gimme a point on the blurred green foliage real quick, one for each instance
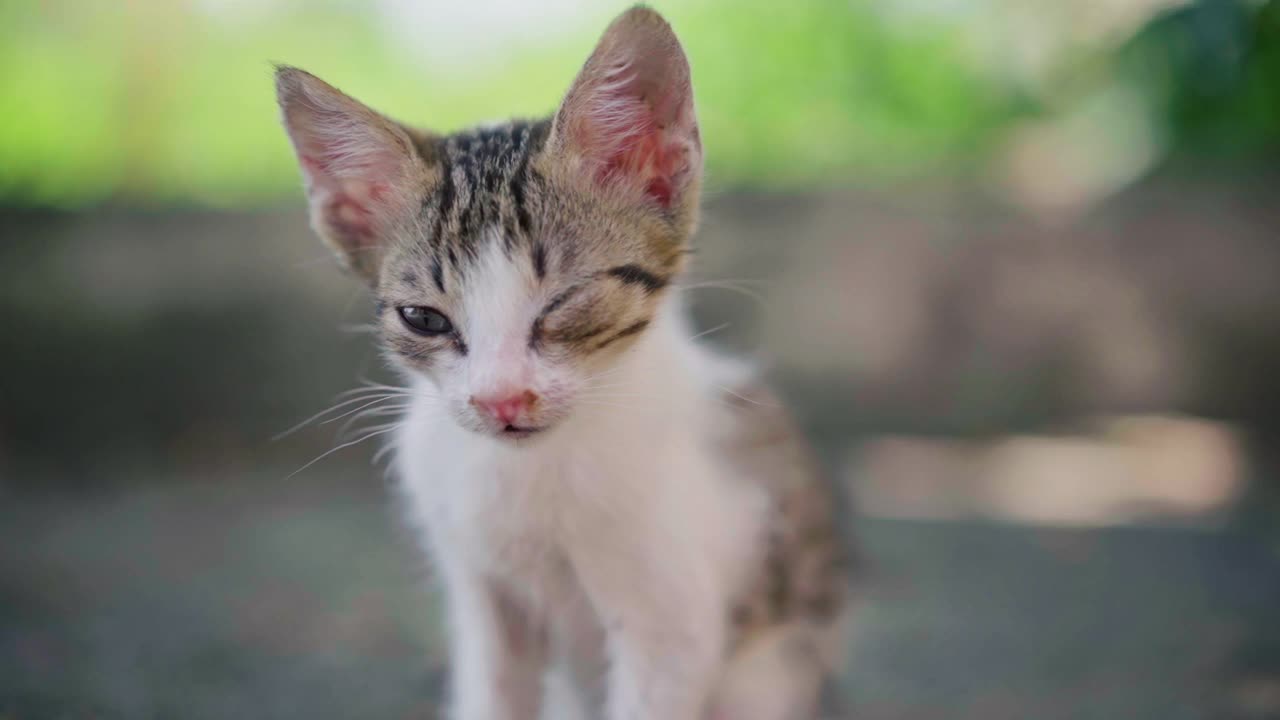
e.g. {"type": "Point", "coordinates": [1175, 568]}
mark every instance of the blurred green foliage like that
{"type": "Point", "coordinates": [169, 101]}
{"type": "Point", "coordinates": [1211, 69]}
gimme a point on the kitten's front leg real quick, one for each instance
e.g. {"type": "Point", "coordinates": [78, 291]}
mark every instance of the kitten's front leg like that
{"type": "Point", "coordinates": [665, 629]}
{"type": "Point", "coordinates": [498, 653]}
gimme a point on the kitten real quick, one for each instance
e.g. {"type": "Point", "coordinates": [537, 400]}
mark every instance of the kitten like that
{"type": "Point", "coordinates": [604, 498]}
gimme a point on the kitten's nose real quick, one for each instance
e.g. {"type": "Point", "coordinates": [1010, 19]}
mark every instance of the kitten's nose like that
{"type": "Point", "coordinates": [505, 407]}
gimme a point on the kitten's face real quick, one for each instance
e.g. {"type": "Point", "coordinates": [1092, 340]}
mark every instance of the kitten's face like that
{"type": "Point", "coordinates": [514, 266]}
{"type": "Point", "coordinates": [517, 282]}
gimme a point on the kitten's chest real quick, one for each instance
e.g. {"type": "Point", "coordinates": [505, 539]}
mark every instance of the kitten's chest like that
{"type": "Point", "coordinates": [510, 523]}
{"type": "Point", "coordinates": [504, 519]}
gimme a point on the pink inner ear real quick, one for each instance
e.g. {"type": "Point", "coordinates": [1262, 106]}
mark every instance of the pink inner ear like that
{"type": "Point", "coordinates": [645, 156]}
{"type": "Point", "coordinates": [660, 190]}
{"type": "Point", "coordinates": [350, 203]}
{"type": "Point", "coordinates": [622, 131]}
{"type": "Point", "coordinates": [350, 220]}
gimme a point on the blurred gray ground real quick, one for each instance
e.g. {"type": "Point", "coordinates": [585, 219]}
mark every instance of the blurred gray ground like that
{"type": "Point", "coordinates": [255, 597]}
{"type": "Point", "coordinates": [156, 559]}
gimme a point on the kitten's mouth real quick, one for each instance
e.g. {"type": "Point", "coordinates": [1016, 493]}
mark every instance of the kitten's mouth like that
{"type": "Point", "coordinates": [515, 432]}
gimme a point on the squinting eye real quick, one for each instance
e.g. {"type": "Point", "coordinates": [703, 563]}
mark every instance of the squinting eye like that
{"type": "Point", "coordinates": [425, 320]}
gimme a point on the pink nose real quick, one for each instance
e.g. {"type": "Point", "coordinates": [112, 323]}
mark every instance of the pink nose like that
{"type": "Point", "coordinates": [506, 407]}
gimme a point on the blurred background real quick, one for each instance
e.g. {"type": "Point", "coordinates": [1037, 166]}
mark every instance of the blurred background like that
{"type": "Point", "coordinates": [1015, 264]}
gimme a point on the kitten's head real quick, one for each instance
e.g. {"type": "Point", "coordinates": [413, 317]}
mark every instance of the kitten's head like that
{"type": "Point", "coordinates": [514, 264]}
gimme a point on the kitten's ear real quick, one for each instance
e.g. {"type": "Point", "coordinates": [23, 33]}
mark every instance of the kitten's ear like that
{"type": "Point", "coordinates": [629, 117]}
{"type": "Point", "coordinates": [362, 170]}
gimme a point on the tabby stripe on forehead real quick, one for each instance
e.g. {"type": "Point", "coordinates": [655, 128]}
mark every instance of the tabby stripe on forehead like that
{"type": "Point", "coordinates": [466, 213]}
{"type": "Point", "coordinates": [509, 229]}
{"type": "Point", "coordinates": [492, 176]}
{"type": "Point", "coordinates": [445, 198]}
{"type": "Point", "coordinates": [636, 275]}
{"type": "Point", "coordinates": [437, 272]}
{"type": "Point", "coordinates": [539, 259]}
{"type": "Point", "coordinates": [508, 234]}
{"type": "Point", "coordinates": [518, 180]}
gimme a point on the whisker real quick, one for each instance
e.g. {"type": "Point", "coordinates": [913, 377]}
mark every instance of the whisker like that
{"type": "Point", "coordinates": [600, 403]}
{"type": "Point", "coordinates": [717, 328]}
{"type": "Point", "coordinates": [725, 282]}
{"type": "Point", "coordinates": [598, 396]}
{"type": "Point", "coordinates": [746, 399]}
{"type": "Point", "coordinates": [368, 387]}
{"type": "Point", "coordinates": [331, 451]}
{"type": "Point", "coordinates": [604, 373]}
{"type": "Point", "coordinates": [382, 452]}
{"type": "Point", "coordinates": [367, 381]}
{"type": "Point", "coordinates": [607, 386]}
{"type": "Point", "coordinates": [592, 385]}
{"type": "Point", "coordinates": [388, 410]}
{"type": "Point", "coordinates": [370, 428]}
{"type": "Point", "coordinates": [385, 398]}
{"type": "Point", "coordinates": [317, 416]}
{"type": "Point", "coordinates": [374, 412]}
{"type": "Point", "coordinates": [726, 285]}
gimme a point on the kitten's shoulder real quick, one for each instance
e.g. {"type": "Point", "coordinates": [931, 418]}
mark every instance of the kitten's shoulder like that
{"type": "Point", "coordinates": [805, 573]}
{"type": "Point", "coordinates": [753, 426]}
{"type": "Point", "coordinates": [762, 443]}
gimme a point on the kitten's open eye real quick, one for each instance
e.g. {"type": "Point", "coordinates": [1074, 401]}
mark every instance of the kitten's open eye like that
{"type": "Point", "coordinates": [425, 320]}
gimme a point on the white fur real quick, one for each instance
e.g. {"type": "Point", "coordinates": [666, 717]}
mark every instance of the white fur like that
{"type": "Point", "coordinates": [611, 543]}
